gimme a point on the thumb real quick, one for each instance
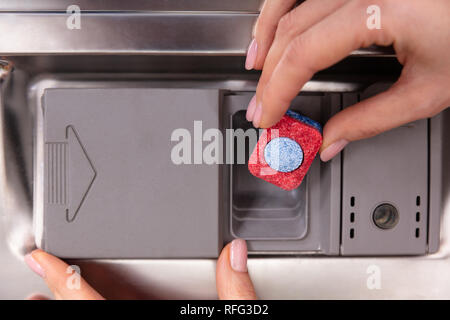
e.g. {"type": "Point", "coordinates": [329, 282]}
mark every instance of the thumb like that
{"type": "Point", "coordinates": [62, 279]}
{"type": "Point", "coordinates": [232, 279]}
{"type": "Point", "coordinates": [404, 102]}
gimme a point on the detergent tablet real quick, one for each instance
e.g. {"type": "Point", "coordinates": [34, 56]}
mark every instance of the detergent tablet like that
{"type": "Point", "coordinates": [285, 151]}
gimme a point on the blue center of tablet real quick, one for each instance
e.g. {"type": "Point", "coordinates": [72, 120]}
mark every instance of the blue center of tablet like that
{"type": "Point", "coordinates": [283, 154]}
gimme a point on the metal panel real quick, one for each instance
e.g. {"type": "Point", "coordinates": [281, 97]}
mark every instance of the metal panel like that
{"type": "Point", "coordinates": [110, 188]}
{"type": "Point", "coordinates": [185, 33]}
{"type": "Point", "coordinates": [143, 33]}
{"type": "Point", "coordinates": [132, 5]}
{"type": "Point", "coordinates": [391, 168]}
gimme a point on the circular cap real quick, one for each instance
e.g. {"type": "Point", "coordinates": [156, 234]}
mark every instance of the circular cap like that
{"type": "Point", "coordinates": [385, 216]}
{"type": "Point", "coordinates": [283, 154]}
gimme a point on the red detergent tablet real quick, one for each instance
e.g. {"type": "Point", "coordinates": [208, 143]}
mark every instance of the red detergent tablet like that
{"type": "Point", "coordinates": [285, 151]}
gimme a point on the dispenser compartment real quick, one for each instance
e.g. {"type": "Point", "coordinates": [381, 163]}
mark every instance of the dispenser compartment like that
{"type": "Point", "coordinates": [261, 210]}
{"type": "Point", "coordinates": [389, 216]}
{"type": "Point", "coordinates": [106, 186]}
{"type": "Point", "coordinates": [273, 220]}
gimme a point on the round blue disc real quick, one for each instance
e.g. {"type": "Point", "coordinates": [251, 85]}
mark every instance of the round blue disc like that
{"type": "Point", "coordinates": [283, 154]}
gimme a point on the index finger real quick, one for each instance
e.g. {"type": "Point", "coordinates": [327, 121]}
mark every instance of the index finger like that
{"type": "Point", "coordinates": [321, 46]}
{"type": "Point", "coordinates": [266, 26]}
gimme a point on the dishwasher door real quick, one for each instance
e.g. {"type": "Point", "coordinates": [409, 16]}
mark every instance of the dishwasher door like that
{"type": "Point", "coordinates": [90, 119]}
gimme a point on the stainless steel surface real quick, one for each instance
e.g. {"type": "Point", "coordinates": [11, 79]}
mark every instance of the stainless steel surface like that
{"type": "Point", "coordinates": [132, 5]}
{"type": "Point", "coordinates": [16, 281]}
{"type": "Point", "coordinates": [164, 32]}
{"type": "Point", "coordinates": [40, 42]}
{"type": "Point", "coordinates": [146, 33]}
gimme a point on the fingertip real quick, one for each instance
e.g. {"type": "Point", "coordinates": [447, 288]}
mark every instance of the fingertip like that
{"type": "Point", "coordinates": [251, 109]}
{"type": "Point", "coordinates": [273, 106]}
{"type": "Point", "coordinates": [260, 57]}
{"type": "Point", "coordinates": [232, 278]}
{"type": "Point", "coordinates": [269, 119]}
{"type": "Point", "coordinates": [34, 264]}
{"type": "Point", "coordinates": [38, 253]}
{"type": "Point", "coordinates": [257, 116]}
{"type": "Point", "coordinates": [37, 296]}
{"type": "Point", "coordinates": [332, 150]}
{"type": "Point", "coordinates": [252, 53]}
{"type": "Point", "coordinates": [43, 258]}
{"type": "Point", "coordinates": [238, 255]}
{"type": "Point", "coordinates": [265, 123]}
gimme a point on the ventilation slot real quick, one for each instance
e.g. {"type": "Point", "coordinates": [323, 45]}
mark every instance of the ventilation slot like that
{"type": "Point", "coordinates": [417, 233]}
{"type": "Point", "coordinates": [352, 233]}
{"type": "Point", "coordinates": [352, 217]}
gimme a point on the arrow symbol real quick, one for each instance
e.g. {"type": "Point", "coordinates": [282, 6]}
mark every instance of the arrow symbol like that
{"type": "Point", "coordinates": [82, 173]}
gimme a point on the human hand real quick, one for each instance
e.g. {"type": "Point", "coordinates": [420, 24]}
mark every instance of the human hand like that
{"type": "Point", "coordinates": [232, 278]}
{"type": "Point", "coordinates": [291, 44]}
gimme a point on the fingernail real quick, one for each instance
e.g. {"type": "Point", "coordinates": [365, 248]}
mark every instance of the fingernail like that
{"type": "Point", "coordinates": [251, 55]}
{"type": "Point", "coordinates": [257, 116]}
{"type": "Point", "coordinates": [238, 255]}
{"type": "Point", "coordinates": [37, 296]}
{"type": "Point", "coordinates": [34, 265]}
{"type": "Point", "coordinates": [251, 109]}
{"type": "Point", "coordinates": [333, 149]}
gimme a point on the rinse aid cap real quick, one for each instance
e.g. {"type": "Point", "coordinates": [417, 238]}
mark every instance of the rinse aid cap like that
{"type": "Point", "coordinates": [283, 154]}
